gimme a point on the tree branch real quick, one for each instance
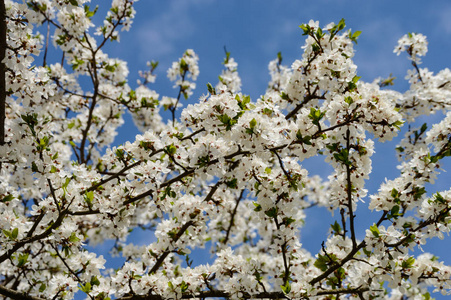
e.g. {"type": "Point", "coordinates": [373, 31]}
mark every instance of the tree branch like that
{"type": "Point", "coordinates": [227, 295]}
{"type": "Point", "coordinates": [232, 217]}
{"type": "Point", "coordinates": [2, 72]}
{"type": "Point", "coordinates": [163, 256]}
{"type": "Point", "coordinates": [16, 295]}
{"type": "Point", "coordinates": [349, 193]}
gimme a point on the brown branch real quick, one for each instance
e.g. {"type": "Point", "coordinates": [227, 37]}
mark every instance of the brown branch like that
{"type": "Point", "coordinates": [35, 224]}
{"type": "Point", "coordinates": [173, 109]}
{"type": "Point", "coordinates": [163, 256]}
{"type": "Point", "coordinates": [349, 193]}
{"type": "Point", "coordinates": [116, 175]}
{"type": "Point", "coordinates": [347, 122]}
{"type": "Point", "coordinates": [95, 82]}
{"type": "Point", "coordinates": [119, 22]}
{"type": "Point", "coordinates": [347, 258]}
{"type": "Point", "coordinates": [301, 105]}
{"type": "Point", "coordinates": [227, 295]}
{"type": "Point", "coordinates": [420, 226]}
{"type": "Point", "coordinates": [2, 72]}
{"type": "Point", "coordinates": [44, 62]}
{"type": "Point", "coordinates": [233, 217]}
{"type": "Point", "coordinates": [182, 230]}
{"type": "Point", "coordinates": [16, 295]}
{"type": "Point", "coordinates": [28, 240]}
{"type": "Point", "coordinates": [283, 247]}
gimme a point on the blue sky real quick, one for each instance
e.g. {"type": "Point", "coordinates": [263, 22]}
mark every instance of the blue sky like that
{"type": "Point", "coordinates": [255, 30]}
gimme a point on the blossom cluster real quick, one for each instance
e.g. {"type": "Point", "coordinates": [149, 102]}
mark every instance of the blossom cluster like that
{"type": "Point", "coordinates": [228, 175]}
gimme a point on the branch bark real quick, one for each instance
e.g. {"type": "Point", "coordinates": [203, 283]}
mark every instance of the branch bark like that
{"type": "Point", "coordinates": [2, 72]}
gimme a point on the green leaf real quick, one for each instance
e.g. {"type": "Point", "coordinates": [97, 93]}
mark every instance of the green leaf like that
{"type": "Point", "coordinates": [85, 288]}
{"type": "Point", "coordinates": [53, 169]}
{"type": "Point", "coordinates": [267, 111]}
{"type": "Point", "coordinates": [31, 120]}
{"type": "Point", "coordinates": [203, 161]}
{"type": "Point", "coordinates": [305, 140]}
{"type": "Point", "coordinates": [279, 57]}
{"type": "Point", "coordinates": [7, 198]}
{"type": "Point", "coordinates": [71, 125]}
{"type": "Point", "coordinates": [55, 156]}
{"type": "Point", "coordinates": [408, 263]}
{"type": "Point", "coordinates": [120, 153]}
{"type": "Point", "coordinates": [394, 193]}
{"type": "Point", "coordinates": [90, 13]}
{"type": "Point", "coordinates": [171, 149]}
{"type": "Point", "coordinates": [397, 124]}
{"type": "Point", "coordinates": [349, 100]}
{"type": "Point", "coordinates": [7, 233]}
{"type": "Point", "coordinates": [15, 233]}
{"type": "Point", "coordinates": [305, 28]}
{"type": "Point", "coordinates": [316, 115]}
{"type": "Point", "coordinates": [352, 86]}
{"type": "Point", "coordinates": [343, 156]}
{"type": "Point", "coordinates": [66, 183]}
{"type": "Point", "coordinates": [324, 261]}
{"type": "Point", "coordinates": [374, 230]}
{"type": "Point", "coordinates": [286, 288]}
{"type": "Point", "coordinates": [110, 68]}
{"type": "Point", "coordinates": [423, 128]}
{"type": "Point", "coordinates": [73, 2]}
{"type": "Point", "coordinates": [211, 89]}
{"type": "Point", "coordinates": [184, 286]}
{"type": "Point", "coordinates": [284, 96]}
{"type": "Point", "coordinates": [233, 184]}
{"type": "Point", "coordinates": [258, 207]}
{"type": "Point", "coordinates": [183, 66]}
{"type": "Point", "coordinates": [288, 220]}
{"type": "Point", "coordinates": [341, 24]}
{"type": "Point", "coordinates": [22, 259]}
{"type": "Point", "coordinates": [418, 192]}
{"type": "Point", "coordinates": [73, 238]}
{"type": "Point", "coordinates": [272, 212]}
{"type": "Point", "coordinates": [95, 281]}
{"type": "Point", "coordinates": [227, 121]}
{"type": "Point", "coordinates": [394, 212]}
{"type": "Point", "coordinates": [319, 33]}
{"type": "Point", "coordinates": [154, 64]}
{"type": "Point", "coordinates": [400, 149]}
{"type": "Point", "coordinates": [356, 78]}
{"type": "Point", "coordinates": [42, 287]}
{"type": "Point", "coordinates": [336, 228]}
{"type": "Point", "coordinates": [439, 198]}
{"type": "Point", "coordinates": [253, 123]}
{"type": "Point", "coordinates": [357, 34]}
{"type": "Point", "coordinates": [76, 63]}
{"type": "Point", "coordinates": [354, 36]}
{"type": "Point", "coordinates": [89, 196]}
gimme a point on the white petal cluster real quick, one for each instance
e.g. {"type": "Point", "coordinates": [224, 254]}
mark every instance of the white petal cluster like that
{"type": "Point", "coordinates": [229, 80]}
{"type": "Point", "coordinates": [415, 44]}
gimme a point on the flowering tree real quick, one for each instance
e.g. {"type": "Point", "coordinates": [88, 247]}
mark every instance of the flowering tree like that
{"type": "Point", "coordinates": [227, 174]}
